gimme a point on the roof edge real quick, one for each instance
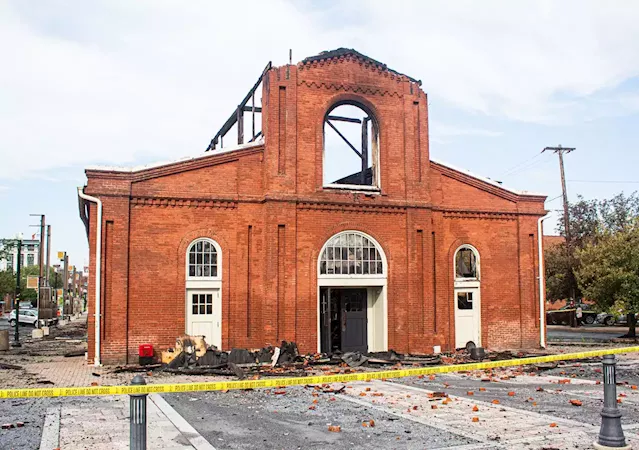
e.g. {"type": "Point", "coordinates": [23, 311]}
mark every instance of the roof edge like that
{"type": "Point", "coordinates": [487, 180]}
{"type": "Point", "coordinates": [142, 168]}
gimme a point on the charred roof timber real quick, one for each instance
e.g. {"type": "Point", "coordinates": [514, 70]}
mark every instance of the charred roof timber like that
{"type": "Point", "coordinates": [237, 117]}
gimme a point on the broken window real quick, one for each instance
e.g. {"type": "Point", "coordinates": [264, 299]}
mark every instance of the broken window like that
{"type": "Point", "coordinates": [350, 253]}
{"type": "Point", "coordinates": [350, 148]}
{"type": "Point", "coordinates": [466, 263]}
{"type": "Point", "coordinates": [203, 259]}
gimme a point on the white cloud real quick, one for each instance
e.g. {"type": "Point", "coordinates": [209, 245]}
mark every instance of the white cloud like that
{"type": "Point", "coordinates": [118, 81]}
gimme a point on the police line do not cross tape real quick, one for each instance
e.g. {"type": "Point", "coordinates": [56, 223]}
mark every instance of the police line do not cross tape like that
{"type": "Point", "coordinates": [293, 381]}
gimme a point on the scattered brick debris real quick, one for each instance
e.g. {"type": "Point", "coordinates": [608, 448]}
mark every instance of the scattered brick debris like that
{"type": "Point", "coordinates": [280, 392]}
{"type": "Point", "coordinates": [495, 402]}
{"type": "Point", "coordinates": [575, 402]}
{"type": "Point", "coordinates": [469, 392]}
{"type": "Point", "coordinates": [539, 389]}
{"type": "Point", "coordinates": [553, 424]}
{"type": "Point", "coordinates": [475, 408]}
{"type": "Point", "coordinates": [475, 419]}
{"type": "Point", "coordinates": [335, 428]}
{"type": "Point", "coordinates": [372, 423]}
{"type": "Point", "coordinates": [512, 394]}
{"type": "Point", "coordinates": [482, 389]}
{"type": "Point", "coordinates": [434, 406]}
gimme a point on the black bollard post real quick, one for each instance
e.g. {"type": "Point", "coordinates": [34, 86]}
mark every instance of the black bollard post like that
{"type": "Point", "coordinates": [138, 417]}
{"type": "Point", "coordinates": [611, 434]}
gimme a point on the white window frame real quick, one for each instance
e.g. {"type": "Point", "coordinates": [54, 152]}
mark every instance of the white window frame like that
{"type": "Point", "coordinates": [204, 279]}
{"type": "Point", "coordinates": [359, 276]}
{"type": "Point", "coordinates": [462, 281]}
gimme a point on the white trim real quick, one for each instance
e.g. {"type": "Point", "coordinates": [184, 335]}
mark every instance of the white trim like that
{"type": "Point", "coordinates": [353, 187]}
{"type": "Point", "coordinates": [208, 154]}
{"type": "Point", "coordinates": [352, 281]}
{"type": "Point", "coordinates": [476, 301]}
{"type": "Point", "coordinates": [195, 281]}
{"type": "Point", "coordinates": [98, 276]}
{"type": "Point", "coordinates": [467, 282]}
{"type": "Point", "coordinates": [348, 276]}
{"type": "Point", "coordinates": [541, 292]}
{"type": "Point", "coordinates": [487, 180]}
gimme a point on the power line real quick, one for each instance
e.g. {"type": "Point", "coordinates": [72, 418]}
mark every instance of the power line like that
{"type": "Point", "coordinates": [526, 167]}
{"type": "Point", "coordinates": [603, 181]}
{"type": "Point", "coordinates": [519, 164]}
{"type": "Point", "coordinates": [554, 198]}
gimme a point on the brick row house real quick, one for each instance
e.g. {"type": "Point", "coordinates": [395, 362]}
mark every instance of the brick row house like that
{"type": "Point", "coordinates": [326, 223]}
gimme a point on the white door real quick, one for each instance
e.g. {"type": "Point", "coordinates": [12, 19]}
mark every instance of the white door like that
{"type": "Point", "coordinates": [204, 315]}
{"type": "Point", "coordinates": [467, 306]}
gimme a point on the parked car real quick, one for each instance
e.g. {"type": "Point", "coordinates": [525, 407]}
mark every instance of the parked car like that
{"type": "Point", "coordinates": [28, 316]}
{"type": "Point", "coordinates": [563, 315]}
{"type": "Point", "coordinates": [606, 319]}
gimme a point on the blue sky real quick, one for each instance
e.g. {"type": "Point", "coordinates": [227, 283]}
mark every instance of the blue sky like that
{"type": "Point", "coordinates": [126, 83]}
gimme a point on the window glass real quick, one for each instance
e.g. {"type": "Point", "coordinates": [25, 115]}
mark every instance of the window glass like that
{"type": "Point", "coordinates": [203, 260]}
{"type": "Point", "coordinates": [466, 264]}
{"type": "Point", "coordinates": [465, 300]}
{"type": "Point", "coordinates": [350, 253]}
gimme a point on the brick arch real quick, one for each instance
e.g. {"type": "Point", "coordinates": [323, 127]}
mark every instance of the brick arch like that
{"type": "Point", "coordinates": [344, 226]}
{"type": "Point", "coordinates": [348, 98]}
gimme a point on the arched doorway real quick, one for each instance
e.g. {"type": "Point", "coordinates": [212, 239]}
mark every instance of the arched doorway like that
{"type": "Point", "coordinates": [203, 288]}
{"type": "Point", "coordinates": [466, 295]}
{"type": "Point", "coordinates": [352, 292]}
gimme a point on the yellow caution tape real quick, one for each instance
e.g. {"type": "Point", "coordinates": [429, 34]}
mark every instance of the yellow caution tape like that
{"type": "Point", "coordinates": [277, 382]}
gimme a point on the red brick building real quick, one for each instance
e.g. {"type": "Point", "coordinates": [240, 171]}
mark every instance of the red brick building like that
{"type": "Point", "coordinates": [255, 244]}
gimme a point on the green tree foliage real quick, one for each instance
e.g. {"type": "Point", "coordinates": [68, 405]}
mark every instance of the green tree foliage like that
{"type": "Point", "coordinates": [589, 220]}
{"type": "Point", "coordinates": [7, 283]}
{"type": "Point", "coordinates": [608, 271]}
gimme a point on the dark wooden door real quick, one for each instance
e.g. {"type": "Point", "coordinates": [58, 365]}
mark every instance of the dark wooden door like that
{"type": "Point", "coordinates": [354, 320]}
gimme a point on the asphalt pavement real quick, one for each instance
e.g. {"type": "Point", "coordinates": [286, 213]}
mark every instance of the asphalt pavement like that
{"type": "Point", "coordinates": [24, 330]}
{"type": "Point", "coordinates": [585, 333]}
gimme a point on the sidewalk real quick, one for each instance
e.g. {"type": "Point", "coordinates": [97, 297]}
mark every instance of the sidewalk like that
{"type": "Point", "coordinates": [104, 425]}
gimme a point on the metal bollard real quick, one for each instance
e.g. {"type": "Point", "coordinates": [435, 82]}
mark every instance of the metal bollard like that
{"type": "Point", "coordinates": [138, 417]}
{"type": "Point", "coordinates": [611, 434]}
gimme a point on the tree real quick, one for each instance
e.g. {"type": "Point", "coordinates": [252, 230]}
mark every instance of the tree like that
{"type": "Point", "coordinates": [608, 271]}
{"type": "Point", "coordinates": [7, 283]}
{"type": "Point", "coordinates": [588, 221]}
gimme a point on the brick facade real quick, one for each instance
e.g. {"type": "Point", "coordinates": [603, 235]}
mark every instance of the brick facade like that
{"type": "Point", "coordinates": [265, 205]}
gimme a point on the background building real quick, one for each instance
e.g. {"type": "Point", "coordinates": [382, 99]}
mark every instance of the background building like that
{"type": "Point", "coordinates": [30, 255]}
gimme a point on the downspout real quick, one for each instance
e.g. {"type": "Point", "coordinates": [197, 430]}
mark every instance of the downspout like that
{"type": "Point", "coordinates": [81, 194]}
{"type": "Point", "coordinates": [541, 294]}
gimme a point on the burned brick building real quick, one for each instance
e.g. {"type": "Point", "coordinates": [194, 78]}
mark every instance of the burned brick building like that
{"type": "Point", "coordinates": [325, 223]}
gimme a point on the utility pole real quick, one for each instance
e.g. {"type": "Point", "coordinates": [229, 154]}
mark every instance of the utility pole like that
{"type": "Point", "coordinates": [46, 276]}
{"type": "Point", "coordinates": [40, 265]}
{"type": "Point", "coordinates": [560, 150]}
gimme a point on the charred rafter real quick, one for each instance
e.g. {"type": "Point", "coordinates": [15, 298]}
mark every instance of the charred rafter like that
{"type": "Point", "coordinates": [238, 116]}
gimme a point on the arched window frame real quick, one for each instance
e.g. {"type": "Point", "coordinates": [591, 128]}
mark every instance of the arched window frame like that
{"type": "Point", "coordinates": [218, 276]}
{"type": "Point", "coordinates": [374, 141]}
{"type": "Point", "coordinates": [358, 276]}
{"type": "Point", "coordinates": [455, 257]}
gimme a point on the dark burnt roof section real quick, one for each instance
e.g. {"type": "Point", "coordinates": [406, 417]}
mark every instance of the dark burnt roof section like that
{"type": "Point", "coordinates": [342, 52]}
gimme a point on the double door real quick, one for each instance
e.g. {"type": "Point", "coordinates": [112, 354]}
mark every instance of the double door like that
{"type": "Point", "coordinates": [343, 319]}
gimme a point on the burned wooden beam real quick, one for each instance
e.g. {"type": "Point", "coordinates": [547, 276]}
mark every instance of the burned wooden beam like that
{"type": "Point", "coordinates": [253, 109]}
{"type": "Point", "coordinates": [344, 119]}
{"type": "Point", "coordinates": [240, 121]}
{"type": "Point", "coordinates": [344, 139]}
{"type": "Point", "coordinates": [365, 150]}
{"type": "Point", "coordinates": [231, 121]}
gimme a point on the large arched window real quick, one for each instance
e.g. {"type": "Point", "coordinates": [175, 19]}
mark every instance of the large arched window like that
{"type": "Point", "coordinates": [351, 253]}
{"type": "Point", "coordinates": [203, 259]}
{"type": "Point", "coordinates": [467, 265]}
{"type": "Point", "coordinates": [350, 158]}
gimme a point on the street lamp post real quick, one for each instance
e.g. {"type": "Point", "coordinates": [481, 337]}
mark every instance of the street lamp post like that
{"type": "Point", "coordinates": [16, 340]}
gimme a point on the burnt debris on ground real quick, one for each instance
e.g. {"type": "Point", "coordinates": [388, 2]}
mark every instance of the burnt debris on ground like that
{"type": "Point", "coordinates": [192, 356]}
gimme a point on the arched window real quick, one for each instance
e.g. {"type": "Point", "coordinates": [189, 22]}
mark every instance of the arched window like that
{"type": "Point", "coordinates": [203, 259]}
{"type": "Point", "coordinates": [350, 156]}
{"type": "Point", "coordinates": [466, 263]}
{"type": "Point", "coordinates": [351, 253]}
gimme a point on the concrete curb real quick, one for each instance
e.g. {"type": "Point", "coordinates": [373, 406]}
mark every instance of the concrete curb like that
{"type": "Point", "coordinates": [51, 430]}
{"type": "Point", "coordinates": [191, 434]}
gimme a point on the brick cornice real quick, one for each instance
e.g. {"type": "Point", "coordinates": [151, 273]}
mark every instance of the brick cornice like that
{"type": "Point", "coordinates": [357, 88]}
{"type": "Point", "coordinates": [169, 202]}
